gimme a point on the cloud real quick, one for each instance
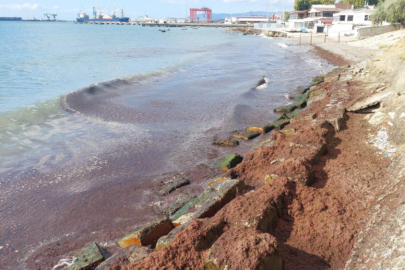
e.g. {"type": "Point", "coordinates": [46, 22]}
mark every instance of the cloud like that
{"type": "Point", "coordinates": [20, 7]}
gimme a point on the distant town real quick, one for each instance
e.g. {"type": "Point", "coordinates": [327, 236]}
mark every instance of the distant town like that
{"type": "Point", "coordinates": [334, 19]}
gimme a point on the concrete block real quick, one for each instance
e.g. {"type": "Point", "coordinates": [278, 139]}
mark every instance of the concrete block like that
{"type": "Point", "coordinates": [148, 234]}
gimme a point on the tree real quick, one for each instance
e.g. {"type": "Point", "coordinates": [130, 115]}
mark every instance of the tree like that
{"type": "Point", "coordinates": [392, 11]}
{"type": "Point", "coordinates": [359, 3]}
{"type": "Point", "coordinates": [306, 4]}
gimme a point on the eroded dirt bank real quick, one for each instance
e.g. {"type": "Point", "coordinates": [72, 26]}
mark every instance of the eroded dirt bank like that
{"type": "Point", "coordinates": [307, 196]}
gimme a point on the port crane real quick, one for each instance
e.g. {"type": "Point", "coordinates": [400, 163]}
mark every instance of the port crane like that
{"type": "Point", "coordinates": [49, 16]}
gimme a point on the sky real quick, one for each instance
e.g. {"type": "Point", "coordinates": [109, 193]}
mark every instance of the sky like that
{"type": "Point", "coordinates": [68, 9]}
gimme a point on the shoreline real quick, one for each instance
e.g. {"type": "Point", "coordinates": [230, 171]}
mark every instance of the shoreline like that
{"type": "Point", "coordinates": [66, 244]}
{"type": "Point", "coordinates": [330, 58]}
{"type": "Point", "coordinates": [315, 200]}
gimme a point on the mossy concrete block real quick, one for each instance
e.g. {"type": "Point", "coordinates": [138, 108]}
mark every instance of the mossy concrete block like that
{"type": "Point", "coordinates": [126, 256]}
{"type": "Point", "coordinates": [267, 128]}
{"type": "Point", "coordinates": [281, 124]}
{"type": "Point", "coordinates": [88, 258]}
{"type": "Point", "coordinates": [230, 162]}
{"type": "Point", "coordinates": [255, 130]}
{"type": "Point", "coordinates": [247, 136]}
{"type": "Point", "coordinates": [148, 234]}
{"type": "Point", "coordinates": [317, 80]}
{"type": "Point", "coordinates": [173, 184]}
{"type": "Point", "coordinates": [226, 143]}
{"type": "Point", "coordinates": [286, 109]}
{"type": "Point", "coordinates": [302, 89]}
{"type": "Point", "coordinates": [209, 202]}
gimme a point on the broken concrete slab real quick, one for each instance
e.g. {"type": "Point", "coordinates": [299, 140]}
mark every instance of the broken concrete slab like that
{"type": "Point", "coordinates": [368, 102]}
{"type": "Point", "coordinates": [147, 235]}
{"type": "Point", "coordinates": [278, 125]}
{"type": "Point", "coordinates": [173, 184]}
{"type": "Point", "coordinates": [251, 250]}
{"type": "Point", "coordinates": [226, 143]}
{"type": "Point", "coordinates": [88, 258]}
{"type": "Point", "coordinates": [230, 162]}
{"type": "Point", "coordinates": [125, 256]}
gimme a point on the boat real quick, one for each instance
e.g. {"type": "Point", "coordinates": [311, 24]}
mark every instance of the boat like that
{"type": "Point", "coordinates": [100, 16]}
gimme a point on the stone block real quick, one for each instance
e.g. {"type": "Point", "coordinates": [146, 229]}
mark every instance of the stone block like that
{"type": "Point", "coordinates": [88, 258]}
{"type": "Point", "coordinates": [147, 235]}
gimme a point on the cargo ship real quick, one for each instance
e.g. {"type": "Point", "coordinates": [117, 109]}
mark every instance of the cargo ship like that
{"type": "Point", "coordinates": [10, 19]}
{"type": "Point", "coordinates": [99, 15]}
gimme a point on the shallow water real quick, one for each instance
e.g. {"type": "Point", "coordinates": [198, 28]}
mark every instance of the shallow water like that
{"type": "Point", "coordinates": [88, 169]}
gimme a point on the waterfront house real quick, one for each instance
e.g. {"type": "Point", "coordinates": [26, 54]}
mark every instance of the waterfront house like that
{"type": "Point", "coordinates": [315, 19]}
{"type": "Point", "coordinates": [348, 21]}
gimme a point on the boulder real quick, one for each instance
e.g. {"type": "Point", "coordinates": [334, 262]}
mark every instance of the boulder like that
{"type": "Point", "coordinates": [255, 130]}
{"type": "Point", "coordinates": [147, 235]}
{"type": "Point", "coordinates": [88, 258]}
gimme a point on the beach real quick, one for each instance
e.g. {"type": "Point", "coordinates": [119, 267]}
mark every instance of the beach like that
{"type": "Point", "coordinates": [89, 166]}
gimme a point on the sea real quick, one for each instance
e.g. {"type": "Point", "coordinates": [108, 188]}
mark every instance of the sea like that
{"type": "Point", "coordinates": [92, 115]}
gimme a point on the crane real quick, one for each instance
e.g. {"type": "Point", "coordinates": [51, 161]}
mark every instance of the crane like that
{"type": "Point", "coordinates": [49, 15]}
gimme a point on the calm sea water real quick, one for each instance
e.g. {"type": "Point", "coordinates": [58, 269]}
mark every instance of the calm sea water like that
{"type": "Point", "coordinates": [140, 103]}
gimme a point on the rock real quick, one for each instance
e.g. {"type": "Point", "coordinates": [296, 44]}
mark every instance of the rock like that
{"type": "Point", "coordinates": [302, 89]}
{"type": "Point", "coordinates": [316, 94]}
{"type": "Point", "coordinates": [173, 184]}
{"type": "Point", "coordinates": [226, 143]}
{"type": "Point", "coordinates": [230, 162]}
{"type": "Point", "coordinates": [309, 117]}
{"type": "Point", "coordinates": [247, 136]}
{"type": "Point", "coordinates": [368, 102]}
{"type": "Point", "coordinates": [125, 256]}
{"type": "Point", "coordinates": [88, 258]}
{"type": "Point", "coordinates": [250, 250]}
{"type": "Point", "coordinates": [147, 235]}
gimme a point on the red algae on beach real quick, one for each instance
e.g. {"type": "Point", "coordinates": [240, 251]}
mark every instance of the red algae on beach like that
{"type": "Point", "coordinates": [307, 193]}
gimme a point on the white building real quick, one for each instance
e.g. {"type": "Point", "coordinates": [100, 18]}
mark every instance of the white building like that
{"type": "Point", "coordinates": [347, 22]}
{"type": "Point", "coordinates": [316, 19]}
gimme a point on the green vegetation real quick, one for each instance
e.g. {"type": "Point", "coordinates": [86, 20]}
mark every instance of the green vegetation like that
{"type": "Point", "coordinates": [306, 4]}
{"type": "Point", "coordinates": [392, 11]}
